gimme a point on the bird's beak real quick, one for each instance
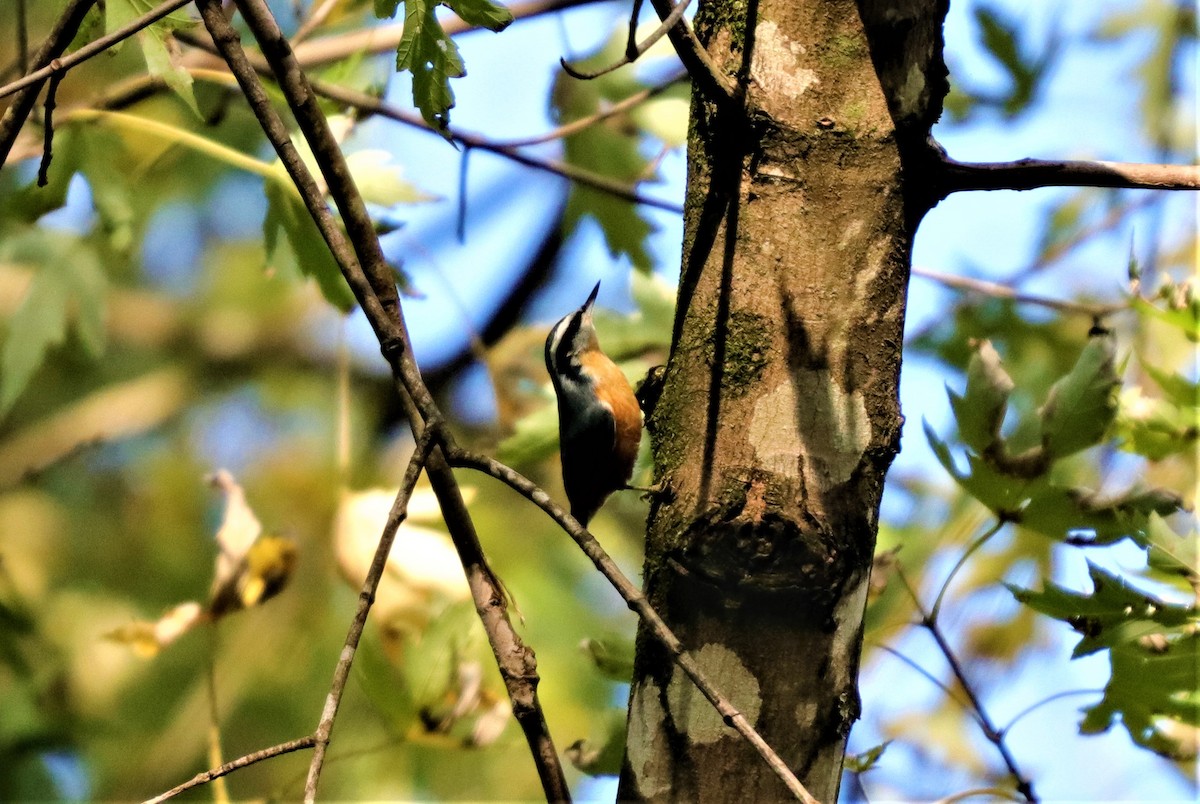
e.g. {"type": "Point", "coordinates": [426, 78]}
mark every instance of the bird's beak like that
{"type": "Point", "coordinates": [587, 305]}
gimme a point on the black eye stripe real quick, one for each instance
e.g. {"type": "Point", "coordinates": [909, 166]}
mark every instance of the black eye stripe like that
{"type": "Point", "coordinates": [562, 354]}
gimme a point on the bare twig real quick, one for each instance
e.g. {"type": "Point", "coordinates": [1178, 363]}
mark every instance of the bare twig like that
{"type": "Point", "coordinates": [637, 602]}
{"type": "Point", "coordinates": [1033, 707]}
{"type": "Point", "coordinates": [237, 764]}
{"type": "Point", "coordinates": [373, 105]}
{"type": "Point", "coordinates": [96, 46]}
{"type": "Point", "coordinates": [695, 58]}
{"type": "Point", "coordinates": [930, 677]}
{"type": "Point", "coordinates": [314, 21]}
{"type": "Point", "coordinates": [1028, 174]}
{"type": "Point", "coordinates": [962, 560]}
{"type": "Point", "coordinates": [22, 34]}
{"type": "Point", "coordinates": [384, 38]}
{"type": "Point", "coordinates": [1000, 291]}
{"type": "Point", "coordinates": [43, 174]}
{"type": "Point", "coordinates": [994, 736]}
{"type": "Point", "coordinates": [63, 32]}
{"type": "Point", "coordinates": [633, 50]}
{"type": "Point", "coordinates": [575, 126]}
{"type": "Point", "coordinates": [366, 599]}
{"type": "Point", "coordinates": [990, 792]}
{"type": "Point", "coordinates": [373, 283]}
{"type": "Point", "coordinates": [370, 104]}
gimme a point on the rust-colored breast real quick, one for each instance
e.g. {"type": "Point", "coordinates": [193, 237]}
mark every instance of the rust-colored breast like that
{"type": "Point", "coordinates": [615, 393]}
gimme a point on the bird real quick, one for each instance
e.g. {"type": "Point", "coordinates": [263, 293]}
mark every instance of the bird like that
{"type": "Point", "coordinates": [599, 421]}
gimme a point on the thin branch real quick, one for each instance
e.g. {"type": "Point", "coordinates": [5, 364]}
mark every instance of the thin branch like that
{"type": "Point", "coordinates": [638, 603]}
{"type": "Point", "coordinates": [633, 51]}
{"type": "Point", "coordinates": [695, 58]}
{"type": "Point", "coordinates": [237, 764]}
{"type": "Point", "coordinates": [1028, 174]}
{"type": "Point", "coordinates": [384, 38]}
{"type": "Point", "coordinates": [314, 21]}
{"type": "Point", "coordinates": [22, 34]}
{"type": "Point", "coordinates": [1048, 699]}
{"type": "Point", "coordinates": [366, 598]}
{"type": "Point", "coordinates": [1001, 291]}
{"type": "Point", "coordinates": [962, 560]}
{"type": "Point", "coordinates": [43, 174]}
{"type": "Point", "coordinates": [370, 104]}
{"type": "Point", "coordinates": [63, 32]}
{"type": "Point", "coordinates": [372, 280]}
{"type": "Point", "coordinates": [990, 792]}
{"type": "Point", "coordinates": [575, 126]}
{"type": "Point", "coordinates": [96, 46]}
{"type": "Point", "coordinates": [614, 187]}
{"type": "Point", "coordinates": [993, 735]}
{"type": "Point", "coordinates": [931, 678]}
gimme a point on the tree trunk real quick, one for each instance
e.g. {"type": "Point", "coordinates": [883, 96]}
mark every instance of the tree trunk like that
{"type": "Point", "coordinates": [779, 413]}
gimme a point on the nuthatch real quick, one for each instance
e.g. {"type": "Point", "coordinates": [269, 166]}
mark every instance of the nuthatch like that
{"type": "Point", "coordinates": [599, 421]}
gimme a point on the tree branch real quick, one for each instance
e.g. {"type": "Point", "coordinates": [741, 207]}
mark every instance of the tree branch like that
{"type": "Point", "coordinates": [372, 280]}
{"type": "Point", "coordinates": [635, 50]}
{"type": "Point", "coordinates": [1000, 291]}
{"type": "Point", "coordinates": [63, 32]}
{"type": "Point", "coordinates": [638, 603]}
{"type": "Point", "coordinates": [237, 764]}
{"type": "Point", "coordinates": [366, 598]}
{"type": "Point", "coordinates": [384, 38]}
{"type": "Point", "coordinates": [695, 58]}
{"type": "Point", "coordinates": [96, 46]}
{"type": "Point", "coordinates": [994, 736]}
{"type": "Point", "coordinates": [575, 126]}
{"type": "Point", "coordinates": [1028, 174]}
{"type": "Point", "coordinates": [370, 104]}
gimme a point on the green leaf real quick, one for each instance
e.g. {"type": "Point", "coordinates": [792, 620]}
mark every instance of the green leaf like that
{"type": "Point", "coordinates": [1114, 614]}
{"type": "Point", "coordinates": [68, 287]}
{"type": "Point", "coordinates": [980, 410]}
{"type": "Point", "coordinates": [381, 181]}
{"type": "Point", "coordinates": [433, 59]}
{"type": "Point", "coordinates": [1059, 512]}
{"type": "Point", "coordinates": [1002, 493]}
{"type": "Point", "coordinates": [426, 51]}
{"type": "Point", "coordinates": [865, 760]}
{"type": "Point", "coordinates": [161, 62]}
{"type": "Point", "coordinates": [1147, 687]}
{"type": "Point", "coordinates": [386, 9]}
{"type": "Point", "coordinates": [1180, 390]}
{"type": "Point", "coordinates": [612, 656]}
{"type": "Point", "coordinates": [534, 439]}
{"type": "Point", "coordinates": [603, 756]}
{"type": "Point", "coordinates": [38, 324]}
{"type": "Point", "coordinates": [1184, 315]}
{"type": "Point", "coordinates": [301, 244]}
{"type": "Point", "coordinates": [1171, 558]}
{"type": "Point", "coordinates": [1081, 406]}
{"type": "Point", "coordinates": [1155, 428]}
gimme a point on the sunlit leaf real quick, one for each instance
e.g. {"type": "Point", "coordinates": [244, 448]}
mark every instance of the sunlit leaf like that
{"type": "Point", "coordinates": [1147, 690]}
{"type": "Point", "coordinates": [426, 51]}
{"type": "Point", "coordinates": [980, 410]}
{"type": "Point", "coordinates": [68, 287]}
{"type": "Point", "coordinates": [865, 760]}
{"type": "Point", "coordinates": [1081, 406]}
{"type": "Point", "coordinates": [602, 755]}
{"type": "Point", "coordinates": [291, 238]}
{"type": "Point", "coordinates": [162, 60]}
{"type": "Point", "coordinates": [1115, 613]}
{"type": "Point", "coordinates": [613, 657]}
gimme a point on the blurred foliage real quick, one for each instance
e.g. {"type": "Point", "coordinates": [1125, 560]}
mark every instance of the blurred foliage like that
{"type": "Point", "coordinates": [158, 325]}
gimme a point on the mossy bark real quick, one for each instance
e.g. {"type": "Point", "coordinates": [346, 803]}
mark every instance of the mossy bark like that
{"type": "Point", "coordinates": [779, 415]}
